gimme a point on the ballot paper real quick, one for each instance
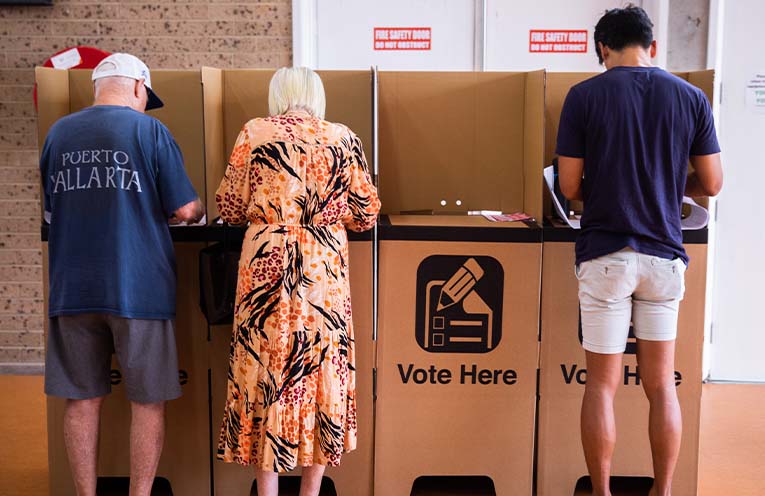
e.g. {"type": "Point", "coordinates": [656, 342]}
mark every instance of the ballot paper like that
{"type": "Point", "coordinates": [507, 217]}
{"type": "Point", "coordinates": [202, 222]}
{"type": "Point", "coordinates": [697, 217]}
{"type": "Point", "coordinates": [550, 182]}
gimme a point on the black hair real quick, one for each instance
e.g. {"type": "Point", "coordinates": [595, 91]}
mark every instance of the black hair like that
{"type": "Point", "coordinates": [620, 28]}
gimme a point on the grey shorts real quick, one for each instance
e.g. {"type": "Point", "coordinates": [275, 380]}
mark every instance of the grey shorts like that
{"type": "Point", "coordinates": [79, 355]}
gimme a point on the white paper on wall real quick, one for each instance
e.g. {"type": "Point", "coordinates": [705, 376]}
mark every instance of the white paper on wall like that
{"type": "Point", "coordinates": [67, 60]}
{"type": "Point", "coordinates": [755, 93]}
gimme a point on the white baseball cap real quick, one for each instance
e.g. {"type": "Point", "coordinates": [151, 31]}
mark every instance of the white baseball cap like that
{"type": "Point", "coordinates": [126, 65]}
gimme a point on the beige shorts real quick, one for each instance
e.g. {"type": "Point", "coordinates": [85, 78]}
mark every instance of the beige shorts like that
{"type": "Point", "coordinates": [629, 287]}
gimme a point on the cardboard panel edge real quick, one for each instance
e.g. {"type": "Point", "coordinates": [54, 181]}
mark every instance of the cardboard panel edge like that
{"type": "Point", "coordinates": [52, 104]}
{"type": "Point", "coordinates": [704, 80]}
{"type": "Point", "coordinates": [534, 143]}
{"type": "Point", "coordinates": [215, 153]}
{"type": "Point", "coordinates": [52, 99]}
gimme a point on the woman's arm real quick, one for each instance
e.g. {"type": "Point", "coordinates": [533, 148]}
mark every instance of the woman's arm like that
{"type": "Point", "coordinates": [363, 202]}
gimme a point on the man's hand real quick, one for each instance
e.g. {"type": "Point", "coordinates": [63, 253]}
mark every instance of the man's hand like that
{"type": "Point", "coordinates": [190, 213]}
{"type": "Point", "coordinates": [570, 172]}
{"type": "Point", "coordinates": [707, 176]}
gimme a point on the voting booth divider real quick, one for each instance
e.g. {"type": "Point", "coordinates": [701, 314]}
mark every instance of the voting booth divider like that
{"type": "Point", "coordinates": [185, 461]}
{"type": "Point", "coordinates": [456, 365]}
{"type": "Point", "coordinates": [231, 98]}
{"type": "Point", "coordinates": [458, 317]}
{"type": "Point", "coordinates": [563, 371]}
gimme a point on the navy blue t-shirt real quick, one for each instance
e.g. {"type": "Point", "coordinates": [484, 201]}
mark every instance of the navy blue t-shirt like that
{"type": "Point", "coordinates": [111, 178]}
{"type": "Point", "coordinates": [635, 128]}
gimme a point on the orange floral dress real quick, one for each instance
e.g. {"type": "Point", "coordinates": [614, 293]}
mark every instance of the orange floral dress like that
{"type": "Point", "coordinates": [291, 400]}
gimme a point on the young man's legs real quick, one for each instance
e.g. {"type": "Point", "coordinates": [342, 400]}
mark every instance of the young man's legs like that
{"type": "Point", "coordinates": [597, 421]}
{"type": "Point", "coordinates": [656, 360]}
{"type": "Point", "coordinates": [605, 297]}
{"type": "Point", "coordinates": [655, 313]}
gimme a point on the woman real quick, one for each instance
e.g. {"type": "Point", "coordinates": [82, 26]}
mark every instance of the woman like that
{"type": "Point", "coordinates": [300, 181]}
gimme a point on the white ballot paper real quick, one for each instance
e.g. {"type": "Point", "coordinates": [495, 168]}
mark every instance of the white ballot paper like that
{"type": "Point", "coordinates": [697, 218]}
{"type": "Point", "coordinates": [202, 222]}
{"type": "Point", "coordinates": [550, 182]}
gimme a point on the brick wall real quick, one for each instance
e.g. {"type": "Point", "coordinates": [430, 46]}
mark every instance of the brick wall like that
{"type": "Point", "coordinates": [166, 35]}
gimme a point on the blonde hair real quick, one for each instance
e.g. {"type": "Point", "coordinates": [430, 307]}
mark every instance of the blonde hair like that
{"type": "Point", "coordinates": [296, 88]}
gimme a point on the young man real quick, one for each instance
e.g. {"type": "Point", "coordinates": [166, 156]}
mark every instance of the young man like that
{"type": "Point", "coordinates": [624, 142]}
{"type": "Point", "coordinates": [112, 178]}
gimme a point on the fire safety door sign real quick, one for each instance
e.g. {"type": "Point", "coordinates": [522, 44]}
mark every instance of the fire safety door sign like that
{"type": "Point", "coordinates": [558, 41]}
{"type": "Point", "coordinates": [402, 38]}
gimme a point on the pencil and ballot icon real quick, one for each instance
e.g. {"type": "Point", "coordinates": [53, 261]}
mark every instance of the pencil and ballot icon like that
{"type": "Point", "coordinates": [459, 304]}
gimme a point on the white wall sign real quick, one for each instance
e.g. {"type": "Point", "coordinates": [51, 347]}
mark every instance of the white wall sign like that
{"type": "Point", "coordinates": [755, 93]}
{"type": "Point", "coordinates": [558, 41]}
{"type": "Point", "coordinates": [402, 38]}
{"type": "Point", "coordinates": [67, 60]}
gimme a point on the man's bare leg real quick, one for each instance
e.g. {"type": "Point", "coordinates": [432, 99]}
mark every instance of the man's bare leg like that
{"type": "Point", "coordinates": [82, 421]}
{"type": "Point", "coordinates": [147, 435]}
{"type": "Point", "coordinates": [597, 421]}
{"type": "Point", "coordinates": [656, 360]}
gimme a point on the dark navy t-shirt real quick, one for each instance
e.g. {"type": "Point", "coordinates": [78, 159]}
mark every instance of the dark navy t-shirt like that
{"type": "Point", "coordinates": [111, 178]}
{"type": "Point", "coordinates": [635, 128]}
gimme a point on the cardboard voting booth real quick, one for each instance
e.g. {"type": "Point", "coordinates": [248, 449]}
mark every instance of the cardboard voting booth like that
{"type": "Point", "coordinates": [563, 367]}
{"type": "Point", "coordinates": [232, 97]}
{"type": "Point", "coordinates": [185, 460]}
{"type": "Point", "coordinates": [458, 317]}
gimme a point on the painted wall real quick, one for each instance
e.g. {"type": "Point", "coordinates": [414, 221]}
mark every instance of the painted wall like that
{"type": "Point", "coordinates": [738, 334]}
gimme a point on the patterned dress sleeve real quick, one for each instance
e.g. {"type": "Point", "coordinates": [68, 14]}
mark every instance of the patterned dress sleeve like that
{"type": "Point", "coordinates": [233, 194]}
{"type": "Point", "coordinates": [363, 202]}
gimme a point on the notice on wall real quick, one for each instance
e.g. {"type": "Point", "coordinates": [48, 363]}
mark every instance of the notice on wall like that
{"type": "Point", "coordinates": [755, 93]}
{"type": "Point", "coordinates": [67, 60]}
{"type": "Point", "coordinates": [402, 38]}
{"type": "Point", "coordinates": [557, 41]}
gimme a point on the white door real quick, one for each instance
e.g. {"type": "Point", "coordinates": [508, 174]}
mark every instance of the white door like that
{"type": "Point", "coordinates": [422, 35]}
{"type": "Point", "coordinates": [738, 333]}
{"type": "Point", "coordinates": [555, 34]}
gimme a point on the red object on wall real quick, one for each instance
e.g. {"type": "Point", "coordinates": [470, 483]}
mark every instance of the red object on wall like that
{"type": "Point", "coordinates": [79, 57]}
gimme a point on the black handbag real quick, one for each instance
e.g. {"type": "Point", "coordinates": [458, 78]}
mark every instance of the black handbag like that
{"type": "Point", "coordinates": [218, 272]}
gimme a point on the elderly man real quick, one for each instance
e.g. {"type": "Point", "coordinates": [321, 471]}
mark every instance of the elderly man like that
{"type": "Point", "coordinates": [113, 178]}
{"type": "Point", "coordinates": [624, 141]}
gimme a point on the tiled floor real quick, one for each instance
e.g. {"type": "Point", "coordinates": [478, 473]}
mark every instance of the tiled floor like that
{"type": "Point", "coordinates": [731, 459]}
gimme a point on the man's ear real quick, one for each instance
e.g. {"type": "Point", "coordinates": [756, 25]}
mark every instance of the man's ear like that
{"type": "Point", "coordinates": [138, 88]}
{"type": "Point", "coordinates": [604, 51]}
{"type": "Point", "coordinates": [653, 49]}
